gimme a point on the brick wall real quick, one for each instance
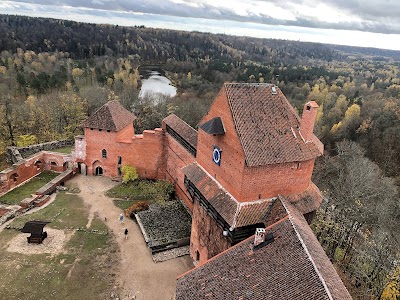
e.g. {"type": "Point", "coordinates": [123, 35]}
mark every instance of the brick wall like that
{"type": "Point", "coordinates": [178, 157]}
{"type": "Point", "coordinates": [230, 172]}
{"type": "Point", "coordinates": [145, 152]}
{"type": "Point", "coordinates": [269, 181]}
{"type": "Point", "coordinates": [206, 236]}
{"type": "Point", "coordinates": [244, 183]}
{"type": "Point", "coordinates": [30, 167]}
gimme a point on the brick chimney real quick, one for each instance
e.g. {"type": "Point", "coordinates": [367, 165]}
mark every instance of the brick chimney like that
{"type": "Point", "coordinates": [308, 120]}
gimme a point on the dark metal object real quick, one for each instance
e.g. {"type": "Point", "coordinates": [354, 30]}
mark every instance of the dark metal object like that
{"type": "Point", "coordinates": [35, 228]}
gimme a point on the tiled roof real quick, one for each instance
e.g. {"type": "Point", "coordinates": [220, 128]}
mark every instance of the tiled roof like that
{"type": "Point", "coordinates": [307, 201]}
{"type": "Point", "coordinates": [111, 116]}
{"type": "Point", "coordinates": [235, 213]}
{"type": "Point", "coordinates": [267, 125]}
{"type": "Point", "coordinates": [317, 255]}
{"type": "Point", "coordinates": [293, 266]}
{"type": "Point", "coordinates": [187, 132]}
{"type": "Point", "coordinates": [239, 214]}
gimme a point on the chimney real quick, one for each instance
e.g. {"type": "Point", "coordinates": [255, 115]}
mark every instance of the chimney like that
{"type": "Point", "coordinates": [259, 237]}
{"type": "Point", "coordinates": [308, 120]}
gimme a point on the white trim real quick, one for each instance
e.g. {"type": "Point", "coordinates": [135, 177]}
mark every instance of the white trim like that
{"type": "Point", "coordinates": [308, 253]}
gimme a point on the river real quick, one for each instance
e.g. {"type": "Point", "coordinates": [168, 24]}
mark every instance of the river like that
{"type": "Point", "coordinates": [154, 82]}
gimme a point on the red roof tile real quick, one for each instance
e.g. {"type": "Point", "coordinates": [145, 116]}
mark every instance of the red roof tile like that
{"type": "Point", "coordinates": [267, 125]}
{"type": "Point", "coordinates": [307, 201]}
{"type": "Point", "coordinates": [235, 213]}
{"type": "Point", "coordinates": [239, 214]}
{"type": "Point", "coordinates": [187, 132]}
{"type": "Point", "coordinates": [293, 266]}
{"type": "Point", "coordinates": [111, 116]}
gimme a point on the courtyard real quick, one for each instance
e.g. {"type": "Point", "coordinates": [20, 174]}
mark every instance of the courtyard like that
{"type": "Point", "coordinates": [86, 255]}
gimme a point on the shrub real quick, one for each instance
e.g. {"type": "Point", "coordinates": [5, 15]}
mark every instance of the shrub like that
{"type": "Point", "coordinates": [129, 174]}
{"type": "Point", "coordinates": [135, 208]}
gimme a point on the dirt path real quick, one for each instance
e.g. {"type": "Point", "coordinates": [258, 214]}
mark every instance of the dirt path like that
{"type": "Point", "coordinates": [137, 275]}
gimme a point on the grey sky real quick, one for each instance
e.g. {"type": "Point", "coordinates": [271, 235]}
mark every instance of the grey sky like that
{"type": "Point", "coordinates": [366, 15]}
{"type": "Point", "coordinates": [378, 20]}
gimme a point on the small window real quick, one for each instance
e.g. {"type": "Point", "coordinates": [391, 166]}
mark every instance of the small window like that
{"type": "Point", "coordinates": [119, 160]}
{"type": "Point", "coordinates": [108, 130]}
{"type": "Point", "coordinates": [104, 153]}
{"type": "Point", "coordinates": [91, 128]}
{"type": "Point", "coordinates": [119, 171]}
{"type": "Point", "coordinates": [308, 107]}
{"type": "Point", "coordinates": [100, 129]}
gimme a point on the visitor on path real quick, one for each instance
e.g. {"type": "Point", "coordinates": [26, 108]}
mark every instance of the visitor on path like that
{"type": "Point", "coordinates": [126, 233]}
{"type": "Point", "coordinates": [121, 218]}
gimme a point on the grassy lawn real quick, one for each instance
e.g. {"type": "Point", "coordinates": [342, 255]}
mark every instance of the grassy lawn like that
{"type": "Point", "coordinates": [25, 191]}
{"type": "Point", "coordinates": [66, 150]}
{"type": "Point", "coordinates": [82, 271]}
{"type": "Point", "coordinates": [124, 204]}
{"type": "Point", "coordinates": [142, 190]}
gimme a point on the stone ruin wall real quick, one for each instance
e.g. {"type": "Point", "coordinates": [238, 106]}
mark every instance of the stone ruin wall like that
{"type": "Point", "coordinates": [25, 169]}
{"type": "Point", "coordinates": [15, 154]}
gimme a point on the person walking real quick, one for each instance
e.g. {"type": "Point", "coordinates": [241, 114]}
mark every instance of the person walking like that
{"type": "Point", "coordinates": [121, 218]}
{"type": "Point", "coordinates": [126, 233]}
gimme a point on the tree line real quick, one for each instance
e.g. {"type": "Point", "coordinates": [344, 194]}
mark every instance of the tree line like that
{"type": "Point", "coordinates": [55, 73]}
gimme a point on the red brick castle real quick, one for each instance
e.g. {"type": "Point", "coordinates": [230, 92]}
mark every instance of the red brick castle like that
{"type": "Point", "coordinates": [248, 167]}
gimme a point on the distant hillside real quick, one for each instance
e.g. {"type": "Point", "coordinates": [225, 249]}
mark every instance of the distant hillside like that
{"type": "Point", "coordinates": [84, 40]}
{"type": "Point", "coordinates": [379, 54]}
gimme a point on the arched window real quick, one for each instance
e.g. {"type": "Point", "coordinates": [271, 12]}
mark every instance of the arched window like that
{"type": "Point", "coordinates": [104, 153]}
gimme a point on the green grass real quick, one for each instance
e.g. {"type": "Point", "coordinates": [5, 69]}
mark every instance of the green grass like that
{"type": "Point", "coordinates": [67, 211]}
{"type": "Point", "coordinates": [82, 271]}
{"type": "Point", "coordinates": [124, 204]}
{"type": "Point", "coordinates": [142, 190]}
{"type": "Point", "coordinates": [25, 191]}
{"type": "Point", "coordinates": [66, 150]}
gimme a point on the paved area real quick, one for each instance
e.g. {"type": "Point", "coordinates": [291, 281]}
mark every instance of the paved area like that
{"type": "Point", "coordinates": [138, 277]}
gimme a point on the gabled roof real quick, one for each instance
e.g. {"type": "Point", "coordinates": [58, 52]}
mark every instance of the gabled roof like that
{"type": "Point", "coordinates": [187, 132]}
{"type": "Point", "coordinates": [293, 266]}
{"type": "Point", "coordinates": [111, 116]}
{"type": "Point", "coordinates": [240, 214]}
{"type": "Point", "coordinates": [213, 126]}
{"type": "Point", "coordinates": [267, 125]}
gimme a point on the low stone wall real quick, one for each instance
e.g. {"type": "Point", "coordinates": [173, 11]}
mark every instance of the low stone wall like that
{"type": "Point", "coordinates": [15, 154]}
{"type": "Point", "coordinates": [52, 185]}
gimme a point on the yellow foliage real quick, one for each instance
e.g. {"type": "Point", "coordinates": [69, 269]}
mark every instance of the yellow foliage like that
{"type": "Point", "coordinates": [3, 69]}
{"type": "Point", "coordinates": [76, 72]}
{"type": "Point", "coordinates": [392, 290]}
{"type": "Point", "coordinates": [335, 128]}
{"type": "Point", "coordinates": [352, 112]}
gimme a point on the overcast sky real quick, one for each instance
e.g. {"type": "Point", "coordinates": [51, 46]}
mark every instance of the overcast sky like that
{"type": "Point", "coordinates": [372, 23]}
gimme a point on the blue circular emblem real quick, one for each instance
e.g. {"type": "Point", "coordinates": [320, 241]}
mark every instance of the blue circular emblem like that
{"type": "Point", "coordinates": [217, 155]}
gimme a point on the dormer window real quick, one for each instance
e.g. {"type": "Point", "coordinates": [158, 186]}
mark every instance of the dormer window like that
{"type": "Point", "coordinates": [104, 153]}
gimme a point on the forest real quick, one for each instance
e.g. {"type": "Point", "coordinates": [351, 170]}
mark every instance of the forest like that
{"type": "Point", "coordinates": [54, 73]}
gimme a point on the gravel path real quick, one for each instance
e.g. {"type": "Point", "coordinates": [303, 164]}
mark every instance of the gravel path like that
{"type": "Point", "coordinates": [138, 277]}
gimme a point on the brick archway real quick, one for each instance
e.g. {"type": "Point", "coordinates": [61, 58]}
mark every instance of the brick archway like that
{"type": "Point", "coordinates": [97, 168]}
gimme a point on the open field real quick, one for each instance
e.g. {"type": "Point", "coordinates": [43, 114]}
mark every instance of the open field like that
{"type": "Point", "coordinates": [83, 269]}
{"type": "Point", "coordinates": [25, 190]}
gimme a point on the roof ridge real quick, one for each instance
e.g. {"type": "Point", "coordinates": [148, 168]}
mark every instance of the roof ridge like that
{"type": "Point", "coordinates": [181, 120]}
{"type": "Point", "coordinates": [307, 251]}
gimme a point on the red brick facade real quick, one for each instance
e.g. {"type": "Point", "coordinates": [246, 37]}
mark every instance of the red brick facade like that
{"type": "Point", "coordinates": [178, 157]}
{"type": "Point", "coordinates": [32, 166]}
{"type": "Point", "coordinates": [206, 239]}
{"type": "Point", "coordinates": [162, 153]}
{"type": "Point", "coordinates": [145, 152]}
